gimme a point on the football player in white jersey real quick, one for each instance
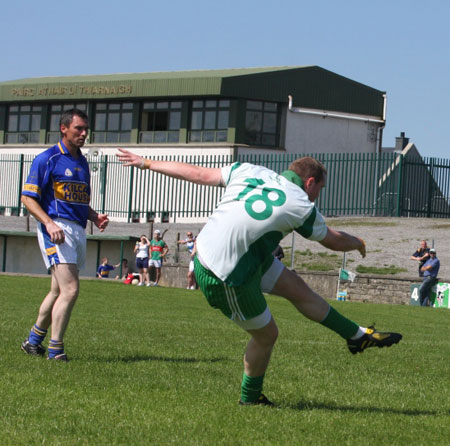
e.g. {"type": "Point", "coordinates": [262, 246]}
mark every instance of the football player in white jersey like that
{"type": "Point", "coordinates": [234, 264]}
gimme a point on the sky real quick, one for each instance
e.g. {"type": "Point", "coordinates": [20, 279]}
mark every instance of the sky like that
{"type": "Point", "coordinates": [401, 47]}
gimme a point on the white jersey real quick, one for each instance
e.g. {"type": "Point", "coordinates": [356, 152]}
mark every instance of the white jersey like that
{"type": "Point", "coordinates": [258, 209]}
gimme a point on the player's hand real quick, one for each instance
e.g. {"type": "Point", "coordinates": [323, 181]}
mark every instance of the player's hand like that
{"type": "Point", "coordinates": [101, 221]}
{"type": "Point", "coordinates": [55, 232]}
{"type": "Point", "coordinates": [362, 248]}
{"type": "Point", "coordinates": [130, 159]}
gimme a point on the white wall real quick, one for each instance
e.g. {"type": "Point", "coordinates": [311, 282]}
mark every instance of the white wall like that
{"type": "Point", "coordinates": [316, 134]}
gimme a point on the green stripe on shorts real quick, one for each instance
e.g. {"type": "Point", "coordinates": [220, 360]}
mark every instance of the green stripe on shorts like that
{"type": "Point", "coordinates": [242, 302]}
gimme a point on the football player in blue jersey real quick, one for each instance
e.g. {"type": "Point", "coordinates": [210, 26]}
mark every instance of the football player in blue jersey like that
{"type": "Point", "coordinates": [57, 194]}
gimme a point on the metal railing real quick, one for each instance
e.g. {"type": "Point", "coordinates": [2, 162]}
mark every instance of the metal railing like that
{"type": "Point", "coordinates": [357, 184]}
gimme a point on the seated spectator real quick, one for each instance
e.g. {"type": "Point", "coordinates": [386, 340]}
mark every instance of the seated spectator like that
{"type": "Point", "coordinates": [125, 269]}
{"type": "Point", "coordinates": [104, 269]}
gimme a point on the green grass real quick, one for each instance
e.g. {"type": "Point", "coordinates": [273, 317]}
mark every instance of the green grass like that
{"type": "Point", "coordinates": [159, 367]}
{"type": "Point", "coordinates": [315, 261]}
{"type": "Point", "coordinates": [388, 270]}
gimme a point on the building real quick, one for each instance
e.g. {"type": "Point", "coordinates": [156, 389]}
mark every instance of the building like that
{"type": "Point", "coordinates": [223, 112]}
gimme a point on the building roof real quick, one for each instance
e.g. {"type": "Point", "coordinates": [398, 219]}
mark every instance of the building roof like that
{"type": "Point", "coordinates": [311, 87]}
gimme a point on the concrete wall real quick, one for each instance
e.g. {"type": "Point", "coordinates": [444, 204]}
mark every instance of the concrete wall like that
{"type": "Point", "coordinates": [316, 134]}
{"type": "Point", "coordinates": [366, 288]}
{"type": "Point", "coordinates": [24, 256]}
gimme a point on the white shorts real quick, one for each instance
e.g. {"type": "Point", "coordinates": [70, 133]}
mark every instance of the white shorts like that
{"type": "Point", "coordinates": [255, 323]}
{"type": "Point", "coordinates": [73, 250]}
{"type": "Point", "coordinates": [271, 276]}
{"type": "Point", "coordinates": [155, 263]}
{"type": "Point", "coordinates": [191, 266]}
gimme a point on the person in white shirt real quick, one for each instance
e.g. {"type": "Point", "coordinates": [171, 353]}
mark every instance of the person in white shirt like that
{"type": "Point", "coordinates": [142, 256]}
{"type": "Point", "coordinates": [234, 264]}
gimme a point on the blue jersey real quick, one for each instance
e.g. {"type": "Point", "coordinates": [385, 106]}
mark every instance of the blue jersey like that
{"type": "Point", "coordinates": [60, 184]}
{"type": "Point", "coordinates": [103, 270]}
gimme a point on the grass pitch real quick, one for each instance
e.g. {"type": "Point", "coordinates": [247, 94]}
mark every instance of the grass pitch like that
{"type": "Point", "coordinates": [159, 367]}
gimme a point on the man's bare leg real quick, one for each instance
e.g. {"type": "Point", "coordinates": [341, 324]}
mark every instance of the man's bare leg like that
{"type": "Point", "coordinates": [68, 281]}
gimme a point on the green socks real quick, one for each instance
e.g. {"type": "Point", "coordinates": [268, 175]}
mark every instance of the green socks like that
{"type": "Point", "coordinates": [251, 388]}
{"type": "Point", "coordinates": [340, 324]}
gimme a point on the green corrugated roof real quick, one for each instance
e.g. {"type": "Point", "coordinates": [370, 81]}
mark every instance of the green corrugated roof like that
{"type": "Point", "coordinates": [189, 74]}
{"type": "Point", "coordinates": [311, 86]}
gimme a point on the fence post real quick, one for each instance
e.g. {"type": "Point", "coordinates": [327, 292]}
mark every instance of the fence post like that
{"type": "Point", "coordinates": [130, 195]}
{"type": "Point", "coordinates": [103, 170]}
{"type": "Point", "coordinates": [430, 188]}
{"type": "Point", "coordinates": [399, 186]}
{"type": "Point", "coordinates": [376, 184]}
{"type": "Point", "coordinates": [20, 184]}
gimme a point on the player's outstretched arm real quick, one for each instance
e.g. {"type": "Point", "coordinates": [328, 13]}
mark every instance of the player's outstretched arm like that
{"type": "Point", "coordinates": [182, 171]}
{"type": "Point", "coordinates": [341, 241]}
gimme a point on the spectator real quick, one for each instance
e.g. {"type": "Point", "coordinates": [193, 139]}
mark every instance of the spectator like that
{"type": "Point", "coordinates": [104, 268]}
{"type": "Point", "coordinates": [125, 269]}
{"type": "Point", "coordinates": [142, 255]}
{"type": "Point", "coordinates": [278, 253]}
{"type": "Point", "coordinates": [430, 271]}
{"type": "Point", "coordinates": [159, 250]}
{"type": "Point", "coordinates": [421, 255]}
{"type": "Point", "coordinates": [189, 241]}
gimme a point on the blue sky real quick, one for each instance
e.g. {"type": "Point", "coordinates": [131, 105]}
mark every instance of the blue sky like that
{"type": "Point", "coordinates": [398, 46]}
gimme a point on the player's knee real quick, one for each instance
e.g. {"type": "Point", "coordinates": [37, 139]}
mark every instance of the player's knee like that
{"type": "Point", "coordinates": [270, 334]}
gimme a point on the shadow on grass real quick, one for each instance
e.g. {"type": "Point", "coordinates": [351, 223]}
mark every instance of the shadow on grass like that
{"type": "Point", "coordinates": [312, 405]}
{"type": "Point", "coordinates": [139, 358]}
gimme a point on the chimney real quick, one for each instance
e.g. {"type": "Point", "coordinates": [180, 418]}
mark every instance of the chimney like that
{"type": "Point", "coordinates": [401, 142]}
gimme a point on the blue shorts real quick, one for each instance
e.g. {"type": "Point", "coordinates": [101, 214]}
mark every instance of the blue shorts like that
{"type": "Point", "coordinates": [141, 262]}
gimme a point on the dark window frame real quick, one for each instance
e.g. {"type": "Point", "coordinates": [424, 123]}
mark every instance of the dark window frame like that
{"type": "Point", "coordinates": [26, 113]}
{"type": "Point", "coordinates": [265, 110]}
{"type": "Point", "coordinates": [205, 108]}
{"type": "Point", "coordinates": [112, 110]}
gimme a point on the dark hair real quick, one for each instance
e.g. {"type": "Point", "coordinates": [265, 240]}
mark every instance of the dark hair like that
{"type": "Point", "coordinates": [67, 116]}
{"type": "Point", "coordinates": [308, 167]}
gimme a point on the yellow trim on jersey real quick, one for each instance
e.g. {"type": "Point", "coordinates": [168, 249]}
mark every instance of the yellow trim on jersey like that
{"type": "Point", "coordinates": [60, 148]}
{"type": "Point", "coordinates": [32, 188]}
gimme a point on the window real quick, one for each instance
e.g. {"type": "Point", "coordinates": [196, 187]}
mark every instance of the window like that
{"type": "Point", "coordinates": [53, 133]}
{"type": "Point", "coordinates": [23, 124]}
{"type": "Point", "coordinates": [209, 120]}
{"type": "Point", "coordinates": [160, 122]}
{"type": "Point", "coordinates": [261, 123]}
{"type": "Point", "coordinates": [113, 122]}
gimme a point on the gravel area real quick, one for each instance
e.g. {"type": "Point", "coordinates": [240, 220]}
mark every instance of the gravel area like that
{"type": "Point", "coordinates": [389, 241]}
